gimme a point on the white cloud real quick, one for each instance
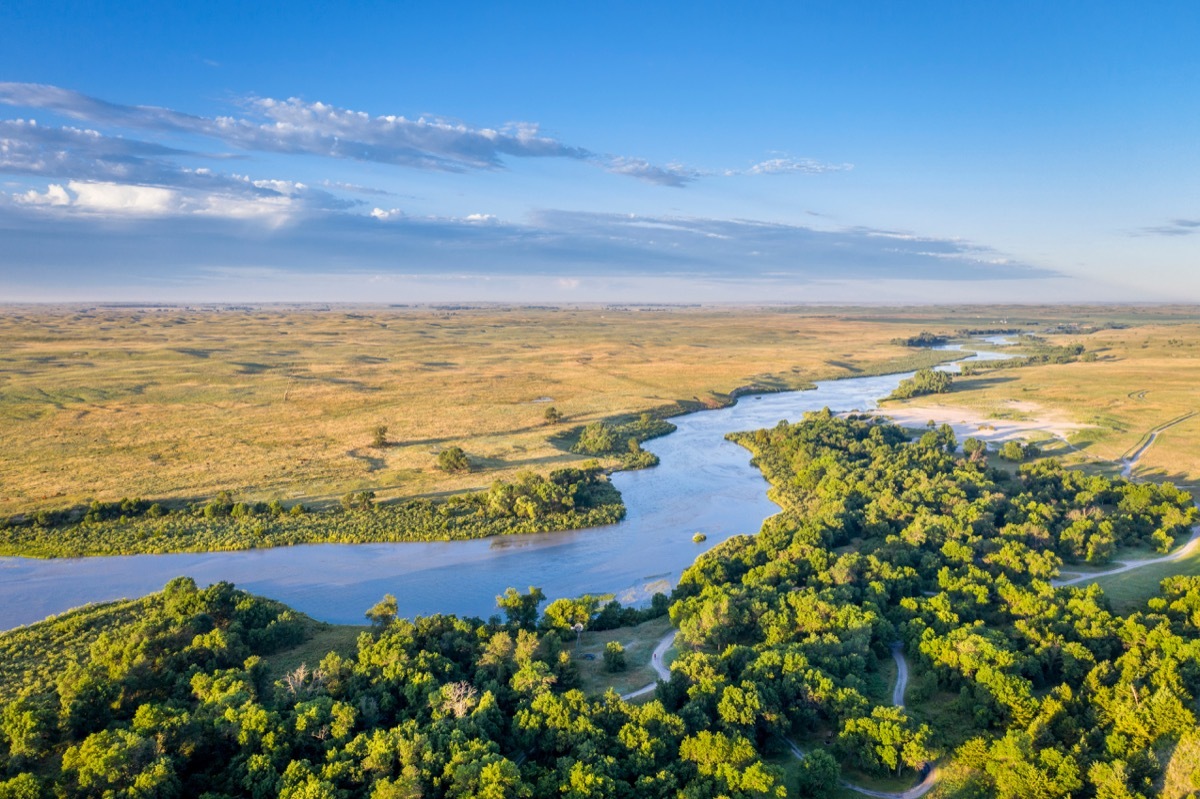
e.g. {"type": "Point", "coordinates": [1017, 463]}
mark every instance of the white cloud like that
{"type": "Point", "coordinates": [384, 215]}
{"type": "Point", "coordinates": [297, 126]}
{"type": "Point", "coordinates": [675, 175]}
{"type": "Point", "coordinates": [54, 195]}
{"type": "Point", "coordinates": [114, 198]}
{"type": "Point", "coordinates": [100, 198]}
{"type": "Point", "coordinates": [782, 166]}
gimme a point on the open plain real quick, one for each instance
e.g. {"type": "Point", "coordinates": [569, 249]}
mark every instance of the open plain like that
{"type": "Point", "coordinates": [173, 404]}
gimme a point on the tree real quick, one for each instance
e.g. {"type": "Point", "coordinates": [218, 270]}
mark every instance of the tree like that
{"type": "Point", "coordinates": [818, 775]}
{"type": "Point", "coordinates": [552, 415]}
{"type": "Point", "coordinates": [596, 439]}
{"type": "Point", "coordinates": [564, 614]}
{"type": "Point", "coordinates": [383, 612]}
{"type": "Point", "coordinates": [974, 449]}
{"type": "Point", "coordinates": [379, 436]}
{"type": "Point", "coordinates": [358, 500]}
{"type": "Point", "coordinates": [614, 657]}
{"type": "Point", "coordinates": [453, 460]}
{"type": "Point", "coordinates": [521, 609]}
{"type": "Point", "coordinates": [1012, 451]}
{"type": "Point", "coordinates": [925, 381]}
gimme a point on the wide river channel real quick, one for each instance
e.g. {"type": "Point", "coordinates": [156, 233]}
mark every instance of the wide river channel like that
{"type": "Point", "coordinates": [703, 484]}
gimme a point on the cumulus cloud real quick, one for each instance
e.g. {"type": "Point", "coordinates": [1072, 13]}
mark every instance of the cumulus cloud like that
{"type": "Point", "coordinates": [110, 198]}
{"type": "Point", "coordinates": [135, 201]}
{"type": "Point", "coordinates": [54, 195]}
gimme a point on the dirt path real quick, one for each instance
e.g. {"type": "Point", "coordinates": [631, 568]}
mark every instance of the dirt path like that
{"type": "Point", "coordinates": [901, 674]}
{"type": "Point", "coordinates": [656, 660]}
{"type": "Point", "coordinates": [1128, 462]}
{"type": "Point", "coordinates": [1126, 566]}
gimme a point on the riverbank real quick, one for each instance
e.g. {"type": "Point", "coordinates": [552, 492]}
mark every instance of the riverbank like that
{"type": "Point", "coordinates": [570, 499]}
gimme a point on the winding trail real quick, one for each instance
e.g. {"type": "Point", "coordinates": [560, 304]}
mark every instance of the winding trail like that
{"type": "Point", "coordinates": [1126, 566]}
{"type": "Point", "coordinates": [901, 674]}
{"type": "Point", "coordinates": [1127, 464]}
{"type": "Point", "coordinates": [930, 777]}
{"type": "Point", "coordinates": [656, 660]}
{"type": "Point", "coordinates": [1131, 459]}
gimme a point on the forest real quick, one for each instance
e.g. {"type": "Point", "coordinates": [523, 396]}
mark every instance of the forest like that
{"type": "Point", "coordinates": [1021, 687]}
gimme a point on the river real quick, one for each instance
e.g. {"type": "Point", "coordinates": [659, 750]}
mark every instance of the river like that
{"type": "Point", "coordinates": [702, 484]}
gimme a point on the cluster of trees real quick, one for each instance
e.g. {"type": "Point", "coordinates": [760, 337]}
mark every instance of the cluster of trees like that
{"type": "Point", "coordinates": [922, 339]}
{"type": "Point", "coordinates": [1041, 690]}
{"type": "Point", "coordinates": [1018, 452]}
{"type": "Point", "coordinates": [925, 381]}
{"type": "Point", "coordinates": [122, 511]}
{"type": "Point", "coordinates": [180, 697]}
{"type": "Point", "coordinates": [622, 440]}
{"type": "Point", "coordinates": [567, 499]}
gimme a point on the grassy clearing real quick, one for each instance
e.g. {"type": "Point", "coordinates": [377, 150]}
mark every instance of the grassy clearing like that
{"type": "Point", "coordinates": [639, 643]}
{"type": "Point", "coordinates": [321, 640]}
{"type": "Point", "coordinates": [1130, 590]}
{"type": "Point", "coordinates": [280, 403]}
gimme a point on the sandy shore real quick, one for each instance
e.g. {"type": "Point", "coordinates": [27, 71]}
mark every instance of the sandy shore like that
{"type": "Point", "coordinates": [972, 423]}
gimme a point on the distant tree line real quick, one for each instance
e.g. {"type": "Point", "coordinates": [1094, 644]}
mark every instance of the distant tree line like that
{"type": "Point", "coordinates": [922, 339]}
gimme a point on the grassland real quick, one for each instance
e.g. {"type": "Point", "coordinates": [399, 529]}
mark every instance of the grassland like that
{"type": "Point", "coordinates": [1145, 376]}
{"type": "Point", "coordinates": [280, 403]}
{"type": "Point", "coordinates": [1130, 590]}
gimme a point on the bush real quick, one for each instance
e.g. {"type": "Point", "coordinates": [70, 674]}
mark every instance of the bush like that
{"type": "Point", "coordinates": [453, 460]}
{"type": "Point", "coordinates": [614, 657]}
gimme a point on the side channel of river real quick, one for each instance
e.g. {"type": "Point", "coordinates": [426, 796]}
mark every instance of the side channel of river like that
{"type": "Point", "coordinates": [703, 483]}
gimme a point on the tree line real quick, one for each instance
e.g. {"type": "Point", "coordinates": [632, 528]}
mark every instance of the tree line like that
{"type": "Point", "coordinates": [566, 499]}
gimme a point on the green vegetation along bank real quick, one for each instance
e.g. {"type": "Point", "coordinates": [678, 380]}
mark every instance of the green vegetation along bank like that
{"type": "Point", "coordinates": [567, 499]}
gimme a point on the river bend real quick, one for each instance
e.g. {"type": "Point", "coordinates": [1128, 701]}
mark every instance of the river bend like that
{"type": "Point", "coordinates": [703, 483]}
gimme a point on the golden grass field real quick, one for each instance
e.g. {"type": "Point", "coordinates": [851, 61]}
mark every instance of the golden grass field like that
{"type": "Point", "coordinates": [1146, 376]}
{"type": "Point", "coordinates": [279, 402]}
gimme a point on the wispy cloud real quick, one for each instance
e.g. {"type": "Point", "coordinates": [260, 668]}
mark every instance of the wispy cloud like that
{"type": "Point", "coordinates": [1175, 227]}
{"type": "Point", "coordinates": [168, 227]}
{"type": "Point", "coordinates": [788, 165]}
{"type": "Point", "coordinates": [299, 127]}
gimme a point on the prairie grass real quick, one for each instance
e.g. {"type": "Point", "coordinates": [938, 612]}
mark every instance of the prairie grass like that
{"type": "Point", "coordinates": [1144, 377]}
{"type": "Point", "coordinates": [320, 640]}
{"type": "Point", "coordinates": [280, 403]}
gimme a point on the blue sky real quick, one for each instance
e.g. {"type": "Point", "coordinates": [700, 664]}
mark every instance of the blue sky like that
{"type": "Point", "coordinates": [877, 152]}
